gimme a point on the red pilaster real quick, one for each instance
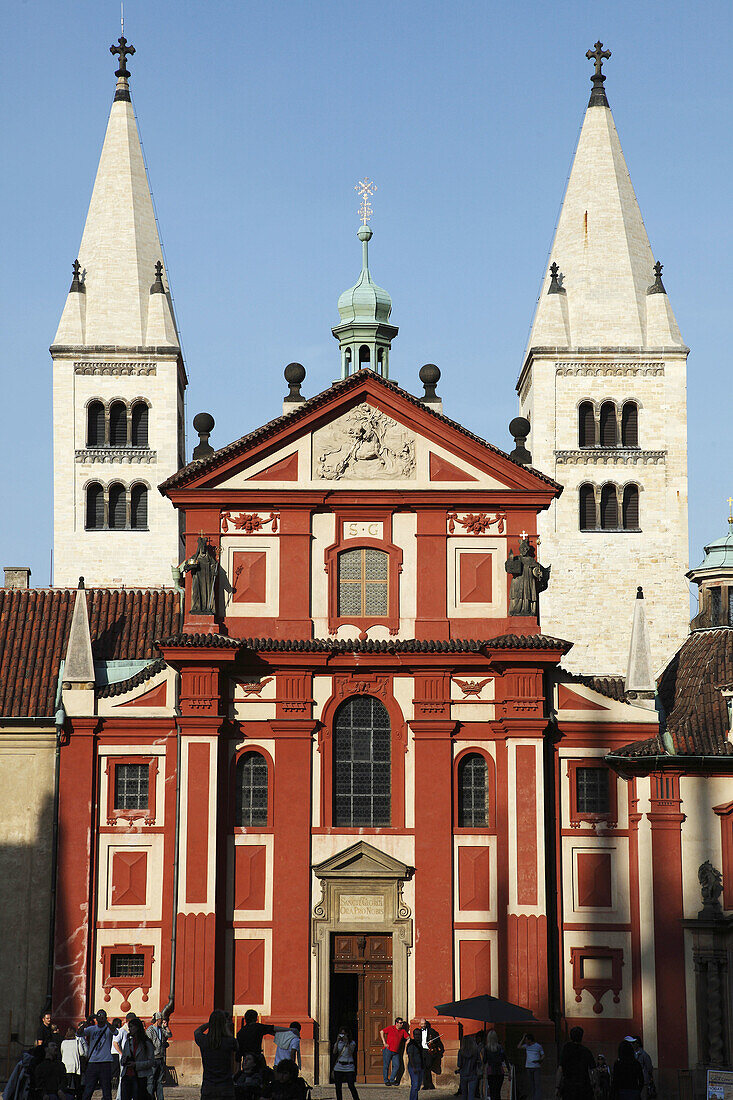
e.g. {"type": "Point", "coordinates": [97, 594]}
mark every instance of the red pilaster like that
{"type": "Point", "coordinates": [291, 889]}
{"type": "Point", "coordinates": [431, 621]}
{"type": "Point", "coordinates": [433, 864]}
{"type": "Point", "coordinates": [669, 954]}
{"type": "Point", "coordinates": [295, 545]}
{"type": "Point", "coordinates": [76, 861]}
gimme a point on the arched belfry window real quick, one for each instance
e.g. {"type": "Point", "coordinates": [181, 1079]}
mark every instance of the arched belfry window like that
{"type": "Point", "coordinates": [630, 508]}
{"type": "Point", "coordinates": [587, 502]}
{"type": "Point", "coordinates": [364, 356]}
{"type": "Point", "coordinates": [609, 427]}
{"type": "Point", "coordinates": [362, 763]}
{"type": "Point", "coordinates": [251, 790]}
{"type": "Point", "coordinates": [586, 425]}
{"type": "Point", "coordinates": [630, 425]}
{"type": "Point", "coordinates": [95, 424]}
{"type": "Point", "coordinates": [118, 424]}
{"type": "Point", "coordinates": [117, 507]}
{"type": "Point", "coordinates": [94, 520]}
{"type": "Point", "coordinates": [473, 791]}
{"type": "Point", "coordinates": [139, 508]}
{"type": "Point", "coordinates": [363, 583]}
{"type": "Point", "coordinates": [609, 508]}
{"type": "Point", "coordinates": [140, 424]}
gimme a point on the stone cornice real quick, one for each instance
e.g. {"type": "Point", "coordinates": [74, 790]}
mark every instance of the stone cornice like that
{"type": "Point", "coordinates": [112, 368]}
{"type": "Point", "coordinates": [640, 355]}
{"type": "Point", "coordinates": [116, 454]}
{"type": "Point", "coordinates": [610, 456]}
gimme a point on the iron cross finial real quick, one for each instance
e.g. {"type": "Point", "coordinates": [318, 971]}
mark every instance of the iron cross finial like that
{"type": "Point", "coordinates": [366, 189]}
{"type": "Point", "coordinates": [599, 55]}
{"type": "Point", "coordinates": [123, 50]}
{"type": "Point", "coordinates": [658, 269]}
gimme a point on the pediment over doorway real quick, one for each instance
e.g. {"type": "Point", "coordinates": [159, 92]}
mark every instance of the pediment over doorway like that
{"type": "Point", "coordinates": [362, 861]}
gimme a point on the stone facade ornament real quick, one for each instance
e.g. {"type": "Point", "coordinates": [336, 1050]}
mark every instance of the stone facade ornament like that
{"type": "Point", "coordinates": [711, 887]}
{"type": "Point", "coordinates": [529, 578]}
{"type": "Point", "coordinates": [365, 444]}
{"type": "Point", "coordinates": [476, 523]}
{"type": "Point", "coordinates": [203, 567]}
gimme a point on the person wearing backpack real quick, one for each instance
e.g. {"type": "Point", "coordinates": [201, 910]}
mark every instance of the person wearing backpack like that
{"type": "Point", "coordinates": [344, 1066]}
{"type": "Point", "coordinates": [99, 1066]}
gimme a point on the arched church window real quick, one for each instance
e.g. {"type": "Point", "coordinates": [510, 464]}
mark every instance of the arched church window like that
{"type": "Point", "coordinates": [630, 508]}
{"type": "Point", "coordinates": [139, 508]}
{"type": "Point", "coordinates": [609, 508]}
{"type": "Point", "coordinates": [363, 583]}
{"type": "Point", "coordinates": [251, 790]}
{"type": "Point", "coordinates": [362, 763]}
{"type": "Point", "coordinates": [587, 499]}
{"type": "Point", "coordinates": [140, 424]}
{"type": "Point", "coordinates": [586, 425]}
{"type": "Point", "coordinates": [364, 356]}
{"type": "Point", "coordinates": [473, 791]}
{"type": "Point", "coordinates": [630, 424]}
{"type": "Point", "coordinates": [94, 507]}
{"type": "Point", "coordinates": [117, 507]}
{"type": "Point", "coordinates": [118, 424]}
{"type": "Point", "coordinates": [609, 427]}
{"type": "Point", "coordinates": [95, 424]}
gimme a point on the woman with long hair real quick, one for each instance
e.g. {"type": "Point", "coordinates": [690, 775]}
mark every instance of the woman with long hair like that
{"type": "Point", "coordinates": [627, 1076]}
{"type": "Point", "coordinates": [469, 1067]}
{"type": "Point", "coordinates": [344, 1063]}
{"type": "Point", "coordinates": [218, 1049]}
{"type": "Point", "coordinates": [137, 1062]}
{"type": "Point", "coordinates": [495, 1063]}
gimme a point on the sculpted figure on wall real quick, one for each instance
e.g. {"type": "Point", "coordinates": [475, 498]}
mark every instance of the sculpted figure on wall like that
{"type": "Point", "coordinates": [711, 887]}
{"type": "Point", "coordinates": [364, 444]}
{"type": "Point", "coordinates": [529, 578]}
{"type": "Point", "coordinates": [203, 568]}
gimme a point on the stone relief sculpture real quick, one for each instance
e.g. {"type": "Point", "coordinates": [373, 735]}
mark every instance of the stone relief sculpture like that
{"type": "Point", "coordinates": [365, 444]}
{"type": "Point", "coordinates": [711, 887]}
{"type": "Point", "coordinates": [529, 578]}
{"type": "Point", "coordinates": [203, 568]}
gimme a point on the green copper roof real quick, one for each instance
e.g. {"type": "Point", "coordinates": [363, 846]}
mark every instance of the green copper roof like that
{"type": "Point", "coordinates": [719, 554]}
{"type": "Point", "coordinates": [365, 301]}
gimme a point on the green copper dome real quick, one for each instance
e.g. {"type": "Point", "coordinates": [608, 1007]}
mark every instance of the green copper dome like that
{"type": "Point", "coordinates": [365, 301]}
{"type": "Point", "coordinates": [719, 554]}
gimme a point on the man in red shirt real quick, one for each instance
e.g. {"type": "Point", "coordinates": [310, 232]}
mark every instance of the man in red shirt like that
{"type": "Point", "coordinates": [393, 1036]}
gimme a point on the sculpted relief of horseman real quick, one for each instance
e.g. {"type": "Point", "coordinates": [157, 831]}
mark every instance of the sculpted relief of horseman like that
{"type": "Point", "coordinates": [365, 444]}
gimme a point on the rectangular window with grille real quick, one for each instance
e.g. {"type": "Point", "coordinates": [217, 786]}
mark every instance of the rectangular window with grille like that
{"type": "Point", "coordinates": [127, 966]}
{"type": "Point", "coordinates": [363, 583]}
{"type": "Point", "coordinates": [592, 791]}
{"type": "Point", "coordinates": [131, 786]}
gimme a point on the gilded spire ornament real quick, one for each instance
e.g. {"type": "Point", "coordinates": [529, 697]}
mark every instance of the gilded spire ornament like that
{"type": "Point", "coordinates": [366, 189]}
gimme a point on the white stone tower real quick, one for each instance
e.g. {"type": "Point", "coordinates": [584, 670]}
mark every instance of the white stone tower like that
{"type": "Point", "coordinates": [118, 380]}
{"type": "Point", "coordinates": [604, 387]}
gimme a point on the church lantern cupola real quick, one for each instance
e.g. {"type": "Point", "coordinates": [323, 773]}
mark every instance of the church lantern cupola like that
{"type": "Point", "coordinates": [714, 578]}
{"type": "Point", "coordinates": [364, 334]}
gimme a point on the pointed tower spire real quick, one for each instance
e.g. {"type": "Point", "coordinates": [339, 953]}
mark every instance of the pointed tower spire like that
{"type": "Point", "coordinates": [639, 677]}
{"type": "Point", "coordinates": [120, 243]}
{"type": "Point", "coordinates": [601, 245]}
{"type": "Point", "coordinates": [364, 336]}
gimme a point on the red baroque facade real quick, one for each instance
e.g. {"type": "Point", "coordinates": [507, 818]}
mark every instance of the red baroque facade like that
{"type": "Point", "coordinates": [357, 785]}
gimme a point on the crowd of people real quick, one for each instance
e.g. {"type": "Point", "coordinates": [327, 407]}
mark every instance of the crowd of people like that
{"type": "Point", "coordinates": [130, 1058]}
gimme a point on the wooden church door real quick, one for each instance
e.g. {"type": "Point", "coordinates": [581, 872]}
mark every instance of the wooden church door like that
{"type": "Point", "coordinates": [361, 996]}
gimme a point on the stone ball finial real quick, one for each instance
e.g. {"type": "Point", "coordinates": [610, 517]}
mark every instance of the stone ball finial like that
{"type": "Point", "coordinates": [364, 233]}
{"type": "Point", "coordinates": [429, 376]}
{"type": "Point", "coordinates": [519, 428]}
{"type": "Point", "coordinates": [204, 424]}
{"type": "Point", "coordinates": [294, 376]}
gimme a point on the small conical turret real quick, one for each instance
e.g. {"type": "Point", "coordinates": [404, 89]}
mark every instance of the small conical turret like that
{"type": "Point", "coordinates": [639, 676]}
{"type": "Point", "coordinates": [364, 335]}
{"type": "Point", "coordinates": [78, 675]}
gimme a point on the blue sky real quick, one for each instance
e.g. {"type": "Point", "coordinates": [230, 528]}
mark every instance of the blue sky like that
{"type": "Point", "coordinates": [257, 119]}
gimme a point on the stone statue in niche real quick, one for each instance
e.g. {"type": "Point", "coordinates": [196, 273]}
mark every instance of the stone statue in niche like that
{"type": "Point", "coordinates": [364, 444]}
{"type": "Point", "coordinates": [203, 568]}
{"type": "Point", "coordinates": [529, 578]}
{"type": "Point", "coordinates": [711, 887]}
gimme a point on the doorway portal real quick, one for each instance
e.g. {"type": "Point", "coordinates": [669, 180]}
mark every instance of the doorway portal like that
{"type": "Point", "coordinates": [361, 996]}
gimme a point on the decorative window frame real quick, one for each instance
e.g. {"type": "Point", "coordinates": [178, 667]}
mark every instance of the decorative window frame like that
{"type": "Point", "coordinates": [392, 619]}
{"type": "Point", "coordinates": [243, 830]}
{"type": "Point", "coordinates": [146, 814]}
{"type": "Point", "coordinates": [490, 827]}
{"type": "Point", "coordinates": [126, 986]}
{"type": "Point", "coordinates": [381, 687]}
{"type": "Point", "coordinates": [455, 548]}
{"type": "Point", "coordinates": [597, 987]}
{"type": "Point", "coordinates": [725, 813]}
{"type": "Point", "coordinates": [610, 817]}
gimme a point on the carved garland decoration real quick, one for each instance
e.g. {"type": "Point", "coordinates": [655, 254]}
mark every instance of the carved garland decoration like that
{"type": "Point", "coordinates": [249, 523]}
{"type": "Point", "coordinates": [476, 523]}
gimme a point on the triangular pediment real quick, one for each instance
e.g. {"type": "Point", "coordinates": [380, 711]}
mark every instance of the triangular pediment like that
{"type": "Point", "coordinates": [363, 432]}
{"type": "Point", "coordinates": [362, 860]}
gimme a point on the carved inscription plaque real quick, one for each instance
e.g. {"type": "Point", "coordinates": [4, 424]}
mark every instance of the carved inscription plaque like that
{"type": "Point", "coordinates": [361, 907]}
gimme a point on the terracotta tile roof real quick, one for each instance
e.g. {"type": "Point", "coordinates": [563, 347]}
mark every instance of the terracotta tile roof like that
{"type": "Point", "coordinates": [357, 645]}
{"type": "Point", "coordinates": [109, 691]}
{"type": "Point", "coordinates": [239, 446]}
{"type": "Point", "coordinates": [34, 629]}
{"type": "Point", "coordinates": [638, 749]}
{"type": "Point", "coordinates": [613, 687]}
{"type": "Point", "coordinates": [691, 691]}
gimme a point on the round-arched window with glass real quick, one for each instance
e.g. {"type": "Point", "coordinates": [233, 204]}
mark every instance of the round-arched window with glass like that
{"type": "Point", "coordinates": [362, 767]}
{"type": "Point", "coordinates": [473, 791]}
{"type": "Point", "coordinates": [250, 795]}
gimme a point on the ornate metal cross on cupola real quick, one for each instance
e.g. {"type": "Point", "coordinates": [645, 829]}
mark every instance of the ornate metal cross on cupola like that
{"type": "Point", "coordinates": [366, 189]}
{"type": "Point", "coordinates": [123, 50]}
{"type": "Point", "coordinates": [598, 55]}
